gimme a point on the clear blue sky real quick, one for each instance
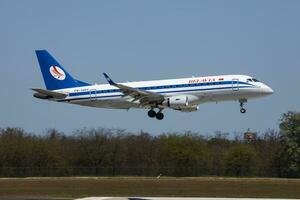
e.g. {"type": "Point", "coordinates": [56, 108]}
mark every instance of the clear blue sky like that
{"type": "Point", "coordinates": [144, 40]}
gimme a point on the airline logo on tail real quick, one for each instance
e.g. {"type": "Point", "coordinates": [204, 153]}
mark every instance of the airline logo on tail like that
{"type": "Point", "coordinates": [57, 73]}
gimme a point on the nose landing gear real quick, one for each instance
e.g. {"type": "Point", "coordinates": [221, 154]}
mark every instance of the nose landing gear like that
{"type": "Point", "coordinates": [242, 102]}
{"type": "Point", "coordinates": [159, 115]}
{"type": "Point", "coordinates": [243, 110]}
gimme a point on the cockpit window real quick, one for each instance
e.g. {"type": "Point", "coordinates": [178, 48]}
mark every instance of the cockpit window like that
{"type": "Point", "coordinates": [252, 80]}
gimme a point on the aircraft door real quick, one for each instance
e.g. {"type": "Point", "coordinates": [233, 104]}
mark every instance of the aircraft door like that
{"type": "Point", "coordinates": [235, 84]}
{"type": "Point", "coordinates": [93, 94]}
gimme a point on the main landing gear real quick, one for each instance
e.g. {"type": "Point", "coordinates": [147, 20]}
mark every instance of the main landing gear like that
{"type": "Point", "coordinates": [242, 102]}
{"type": "Point", "coordinates": [159, 115]}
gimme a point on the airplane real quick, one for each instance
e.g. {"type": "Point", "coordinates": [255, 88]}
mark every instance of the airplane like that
{"type": "Point", "coordinates": [185, 94]}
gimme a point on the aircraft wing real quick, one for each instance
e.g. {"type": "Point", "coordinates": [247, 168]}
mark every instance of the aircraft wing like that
{"type": "Point", "coordinates": [145, 97]}
{"type": "Point", "coordinates": [46, 94]}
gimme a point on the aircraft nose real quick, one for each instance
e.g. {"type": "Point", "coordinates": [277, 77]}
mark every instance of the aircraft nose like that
{"type": "Point", "coordinates": [268, 90]}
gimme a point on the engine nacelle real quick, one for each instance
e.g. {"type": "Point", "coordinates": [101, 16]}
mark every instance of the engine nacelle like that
{"type": "Point", "coordinates": [189, 108]}
{"type": "Point", "coordinates": [180, 102]}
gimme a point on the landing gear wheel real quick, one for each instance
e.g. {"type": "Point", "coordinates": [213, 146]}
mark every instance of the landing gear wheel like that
{"type": "Point", "coordinates": [159, 116]}
{"type": "Point", "coordinates": [242, 102]}
{"type": "Point", "coordinates": [243, 110]}
{"type": "Point", "coordinates": [151, 113]}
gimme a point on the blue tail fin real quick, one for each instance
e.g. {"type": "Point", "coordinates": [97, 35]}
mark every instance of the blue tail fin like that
{"type": "Point", "coordinates": [55, 76]}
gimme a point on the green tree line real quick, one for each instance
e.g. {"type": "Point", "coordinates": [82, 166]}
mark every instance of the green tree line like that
{"type": "Point", "coordinates": [111, 152]}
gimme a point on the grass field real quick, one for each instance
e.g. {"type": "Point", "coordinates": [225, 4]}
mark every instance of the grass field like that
{"type": "Point", "coordinates": [135, 186]}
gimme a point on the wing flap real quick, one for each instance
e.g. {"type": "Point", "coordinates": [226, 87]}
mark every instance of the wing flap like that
{"type": "Point", "coordinates": [145, 97]}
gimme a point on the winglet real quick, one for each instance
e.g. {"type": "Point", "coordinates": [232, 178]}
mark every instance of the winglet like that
{"type": "Point", "coordinates": [109, 79]}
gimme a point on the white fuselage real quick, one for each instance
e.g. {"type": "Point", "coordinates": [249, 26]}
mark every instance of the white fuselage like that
{"type": "Point", "coordinates": [197, 89]}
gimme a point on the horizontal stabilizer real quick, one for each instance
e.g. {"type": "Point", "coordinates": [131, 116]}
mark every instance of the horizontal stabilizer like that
{"type": "Point", "coordinates": [46, 94]}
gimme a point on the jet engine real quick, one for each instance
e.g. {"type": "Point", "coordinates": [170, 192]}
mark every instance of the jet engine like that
{"type": "Point", "coordinates": [189, 108]}
{"type": "Point", "coordinates": [181, 102]}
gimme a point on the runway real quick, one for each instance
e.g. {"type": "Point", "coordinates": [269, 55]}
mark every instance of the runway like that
{"type": "Point", "coordinates": [170, 198]}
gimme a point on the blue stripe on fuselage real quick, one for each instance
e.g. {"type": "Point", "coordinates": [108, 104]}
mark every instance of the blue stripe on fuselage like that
{"type": "Point", "coordinates": [150, 88]}
{"type": "Point", "coordinates": [160, 87]}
